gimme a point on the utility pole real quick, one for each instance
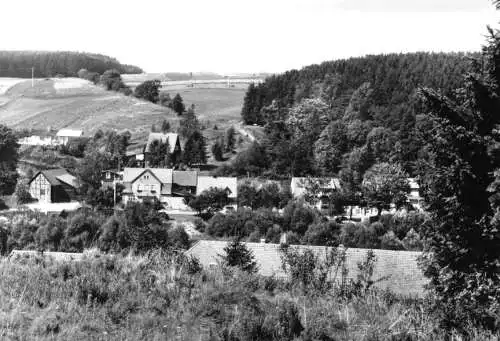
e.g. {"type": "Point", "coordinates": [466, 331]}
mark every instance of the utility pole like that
{"type": "Point", "coordinates": [33, 77]}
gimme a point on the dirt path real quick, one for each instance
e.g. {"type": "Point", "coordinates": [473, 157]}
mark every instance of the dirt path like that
{"type": "Point", "coordinates": [244, 132]}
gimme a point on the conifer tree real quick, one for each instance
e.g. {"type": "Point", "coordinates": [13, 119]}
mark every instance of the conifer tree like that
{"type": "Point", "coordinates": [178, 104]}
{"type": "Point", "coordinates": [237, 254]}
{"type": "Point", "coordinates": [195, 149]}
{"type": "Point", "coordinates": [461, 189]}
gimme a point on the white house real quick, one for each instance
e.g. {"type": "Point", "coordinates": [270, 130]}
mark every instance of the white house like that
{"type": "Point", "coordinates": [65, 135]}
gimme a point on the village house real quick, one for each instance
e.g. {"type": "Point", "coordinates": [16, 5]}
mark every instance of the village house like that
{"type": "Point", "coordinates": [320, 188]}
{"type": "Point", "coordinates": [52, 186]}
{"type": "Point", "coordinates": [225, 183]}
{"type": "Point", "coordinates": [109, 178]}
{"type": "Point", "coordinates": [170, 187]}
{"type": "Point", "coordinates": [138, 154]}
{"type": "Point", "coordinates": [66, 135]}
{"type": "Point", "coordinates": [143, 184]}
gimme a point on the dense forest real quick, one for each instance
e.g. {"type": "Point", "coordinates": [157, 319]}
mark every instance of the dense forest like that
{"type": "Point", "coordinates": [346, 113]}
{"type": "Point", "coordinates": [57, 63]}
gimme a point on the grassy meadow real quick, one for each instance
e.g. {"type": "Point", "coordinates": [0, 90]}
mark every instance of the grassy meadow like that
{"type": "Point", "coordinates": [163, 296]}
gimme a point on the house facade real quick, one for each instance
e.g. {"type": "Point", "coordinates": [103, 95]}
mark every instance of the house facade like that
{"type": "Point", "coordinates": [52, 186]}
{"type": "Point", "coordinates": [142, 184]}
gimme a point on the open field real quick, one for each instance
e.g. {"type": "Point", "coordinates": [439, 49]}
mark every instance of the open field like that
{"type": "Point", "coordinates": [76, 103]}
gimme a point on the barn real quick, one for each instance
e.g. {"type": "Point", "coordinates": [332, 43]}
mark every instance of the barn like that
{"type": "Point", "coordinates": [54, 185]}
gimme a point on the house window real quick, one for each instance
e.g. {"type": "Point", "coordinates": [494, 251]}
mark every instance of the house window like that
{"type": "Point", "coordinates": [108, 175]}
{"type": "Point", "coordinates": [140, 187]}
{"type": "Point", "coordinates": [42, 191]}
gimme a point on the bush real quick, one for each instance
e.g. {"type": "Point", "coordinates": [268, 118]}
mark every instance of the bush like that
{"type": "Point", "coordinates": [50, 235]}
{"type": "Point", "coordinates": [178, 238]}
{"type": "Point", "coordinates": [82, 232]}
{"type": "Point", "coordinates": [322, 234]}
{"type": "Point", "coordinates": [199, 225]}
{"type": "Point", "coordinates": [22, 193]}
{"type": "Point", "coordinates": [360, 236]}
{"type": "Point", "coordinates": [297, 217]}
{"type": "Point", "coordinates": [114, 235]}
{"type": "Point", "coordinates": [390, 241]}
{"type": "Point", "coordinates": [412, 241]}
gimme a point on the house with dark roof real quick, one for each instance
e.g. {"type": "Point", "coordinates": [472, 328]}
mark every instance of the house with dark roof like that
{"type": "Point", "coordinates": [184, 183]}
{"type": "Point", "coordinates": [54, 185]}
{"type": "Point", "coordinates": [138, 153]}
{"type": "Point", "coordinates": [397, 271]}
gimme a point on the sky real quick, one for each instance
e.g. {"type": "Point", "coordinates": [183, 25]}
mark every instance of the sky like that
{"type": "Point", "coordinates": [229, 36]}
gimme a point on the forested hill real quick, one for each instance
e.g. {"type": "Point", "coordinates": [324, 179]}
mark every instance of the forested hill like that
{"type": "Point", "coordinates": [342, 117]}
{"type": "Point", "coordinates": [50, 64]}
{"type": "Point", "coordinates": [392, 80]}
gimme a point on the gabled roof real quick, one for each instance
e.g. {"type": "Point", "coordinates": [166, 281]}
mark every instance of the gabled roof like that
{"type": "Point", "coordinates": [163, 175]}
{"type": "Point", "coordinates": [70, 133]}
{"type": "Point", "coordinates": [185, 178]}
{"type": "Point", "coordinates": [399, 267]}
{"type": "Point", "coordinates": [206, 182]}
{"type": "Point", "coordinates": [57, 176]}
{"type": "Point", "coordinates": [170, 137]}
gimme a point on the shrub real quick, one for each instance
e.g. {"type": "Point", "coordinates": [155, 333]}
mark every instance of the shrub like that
{"type": "Point", "coordinates": [199, 225]}
{"type": "Point", "coordinates": [390, 241]}
{"type": "Point", "coordinates": [323, 233]}
{"type": "Point", "coordinates": [22, 193]}
{"type": "Point", "coordinates": [178, 238]}
{"type": "Point", "coordinates": [50, 235]}
{"type": "Point", "coordinates": [412, 241]}
{"type": "Point", "coordinates": [114, 235]}
{"type": "Point", "coordinates": [82, 232]}
{"type": "Point", "coordinates": [297, 217]}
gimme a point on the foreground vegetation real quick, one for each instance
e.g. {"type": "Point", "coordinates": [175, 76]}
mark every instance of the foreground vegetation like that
{"type": "Point", "coordinates": [162, 296]}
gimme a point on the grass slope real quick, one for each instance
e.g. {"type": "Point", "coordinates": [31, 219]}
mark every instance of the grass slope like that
{"type": "Point", "coordinates": [155, 297]}
{"type": "Point", "coordinates": [74, 103]}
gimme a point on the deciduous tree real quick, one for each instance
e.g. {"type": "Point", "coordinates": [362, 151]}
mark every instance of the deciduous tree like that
{"type": "Point", "coordinates": [383, 184]}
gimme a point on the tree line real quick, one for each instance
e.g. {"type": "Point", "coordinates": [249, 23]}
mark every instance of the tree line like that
{"type": "Point", "coordinates": [57, 63]}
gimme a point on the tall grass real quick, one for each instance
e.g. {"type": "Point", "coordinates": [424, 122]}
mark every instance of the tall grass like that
{"type": "Point", "coordinates": [162, 296]}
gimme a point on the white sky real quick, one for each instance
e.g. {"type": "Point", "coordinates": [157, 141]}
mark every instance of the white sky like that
{"type": "Point", "coordinates": [243, 35]}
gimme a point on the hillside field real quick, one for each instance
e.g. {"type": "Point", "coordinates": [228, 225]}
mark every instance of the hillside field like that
{"type": "Point", "coordinates": [76, 103]}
